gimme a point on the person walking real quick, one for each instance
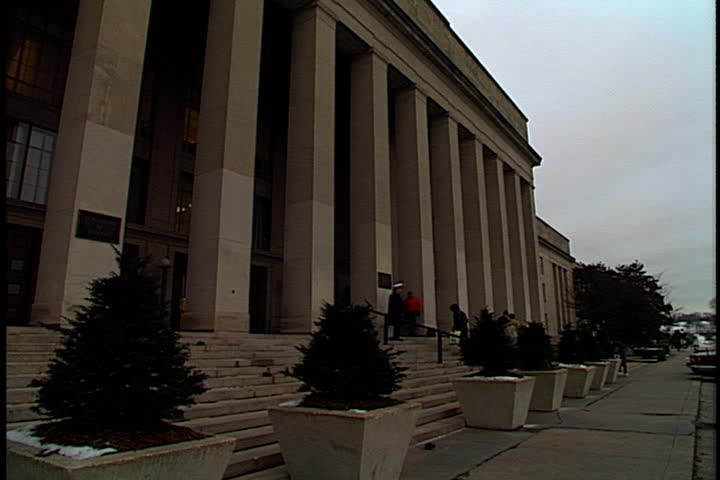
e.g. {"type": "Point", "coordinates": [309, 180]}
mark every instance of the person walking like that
{"type": "Point", "coordinates": [413, 308]}
{"type": "Point", "coordinates": [395, 309]}
{"type": "Point", "coordinates": [460, 321]}
{"type": "Point", "coordinates": [619, 352]}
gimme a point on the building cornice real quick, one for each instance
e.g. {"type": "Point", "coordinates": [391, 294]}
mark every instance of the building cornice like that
{"type": "Point", "coordinates": [406, 24]}
{"type": "Point", "coordinates": [545, 243]}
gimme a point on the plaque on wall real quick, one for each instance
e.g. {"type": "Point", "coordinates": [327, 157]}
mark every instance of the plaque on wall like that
{"type": "Point", "coordinates": [384, 280]}
{"type": "Point", "coordinates": [95, 226]}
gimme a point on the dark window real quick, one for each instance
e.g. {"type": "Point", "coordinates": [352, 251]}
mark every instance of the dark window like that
{"type": "Point", "coordinates": [191, 121]}
{"type": "Point", "coordinates": [183, 204]}
{"type": "Point", "coordinates": [39, 42]}
{"type": "Point", "coordinates": [146, 109]}
{"type": "Point", "coordinates": [262, 223]}
{"type": "Point", "coordinates": [29, 157]}
{"type": "Point", "coordinates": [137, 192]}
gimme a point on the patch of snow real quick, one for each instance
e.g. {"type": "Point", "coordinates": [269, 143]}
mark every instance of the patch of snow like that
{"type": "Point", "coordinates": [290, 403]}
{"type": "Point", "coordinates": [574, 365]}
{"type": "Point", "coordinates": [26, 436]}
{"type": "Point", "coordinates": [357, 410]}
{"type": "Point", "coordinates": [503, 378]}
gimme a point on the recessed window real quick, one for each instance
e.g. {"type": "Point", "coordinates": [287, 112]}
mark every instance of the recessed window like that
{"type": "Point", "coordinates": [38, 55]}
{"type": "Point", "coordinates": [191, 121]}
{"type": "Point", "coordinates": [29, 153]}
{"type": "Point", "coordinates": [183, 203]}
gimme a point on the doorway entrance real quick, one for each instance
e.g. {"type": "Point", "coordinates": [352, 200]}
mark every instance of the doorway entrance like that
{"type": "Point", "coordinates": [23, 252]}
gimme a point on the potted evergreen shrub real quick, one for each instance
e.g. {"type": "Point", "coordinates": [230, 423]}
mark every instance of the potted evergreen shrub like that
{"type": "Point", "coordinates": [572, 357]}
{"type": "Point", "coordinates": [117, 378]}
{"type": "Point", "coordinates": [536, 359]}
{"type": "Point", "coordinates": [497, 396]}
{"type": "Point", "coordinates": [593, 355]}
{"type": "Point", "coordinates": [347, 426]}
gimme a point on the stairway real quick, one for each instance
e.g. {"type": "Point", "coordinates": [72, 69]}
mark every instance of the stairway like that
{"type": "Point", "coordinates": [245, 379]}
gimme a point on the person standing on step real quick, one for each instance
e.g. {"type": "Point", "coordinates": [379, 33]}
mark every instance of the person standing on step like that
{"type": "Point", "coordinates": [413, 307]}
{"type": "Point", "coordinates": [395, 309]}
{"type": "Point", "coordinates": [460, 321]}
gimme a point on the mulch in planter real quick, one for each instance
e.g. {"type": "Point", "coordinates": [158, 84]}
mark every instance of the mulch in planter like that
{"type": "Point", "coordinates": [120, 437]}
{"type": "Point", "coordinates": [329, 402]}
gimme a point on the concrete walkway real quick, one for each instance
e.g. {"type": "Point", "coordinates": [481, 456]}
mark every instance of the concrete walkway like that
{"type": "Point", "coordinates": [642, 427]}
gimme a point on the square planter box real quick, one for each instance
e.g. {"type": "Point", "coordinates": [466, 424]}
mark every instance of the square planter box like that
{"type": "Point", "coordinates": [494, 403]}
{"type": "Point", "coordinates": [600, 375]}
{"type": "Point", "coordinates": [549, 389]}
{"type": "Point", "coordinates": [579, 380]}
{"type": "Point", "coordinates": [613, 370]}
{"type": "Point", "coordinates": [204, 459]}
{"type": "Point", "coordinates": [353, 445]}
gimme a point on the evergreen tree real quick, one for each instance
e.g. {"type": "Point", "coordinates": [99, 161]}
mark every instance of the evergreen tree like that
{"type": "Point", "coordinates": [344, 362]}
{"type": "Point", "coordinates": [534, 347]}
{"type": "Point", "coordinates": [570, 349]}
{"type": "Point", "coordinates": [120, 363]}
{"type": "Point", "coordinates": [489, 346]}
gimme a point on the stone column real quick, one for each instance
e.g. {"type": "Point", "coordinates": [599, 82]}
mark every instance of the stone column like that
{"type": "Point", "coordinates": [536, 312]}
{"type": "Point", "coordinates": [308, 277]}
{"type": "Point", "coordinates": [448, 229]}
{"type": "Point", "coordinates": [221, 228]}
{"type": "Point", "coordinates": [413, 205]}
{"type": "Point", "coordinates": [498, 234]}
{"type": "Point", "coordinates": [91, 166]}
{"type": "Point", "coordinates": [370, 228]}
{"type": "Point", "coordinates": [518, 252]}
{"type": "Point", "coordinates": [477, 240]}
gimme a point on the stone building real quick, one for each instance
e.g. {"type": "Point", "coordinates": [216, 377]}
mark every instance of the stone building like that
{"type": "Point", "coordinates": [556, 278]}
{"type": "Point", "coordinates": [279, 153]}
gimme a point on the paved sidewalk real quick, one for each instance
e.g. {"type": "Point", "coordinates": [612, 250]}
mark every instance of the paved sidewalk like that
{"type": "Point", "coordinates": [642, 427]}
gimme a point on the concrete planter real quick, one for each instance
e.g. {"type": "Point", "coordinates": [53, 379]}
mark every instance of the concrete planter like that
{"type": "Point", "coordinates": [354, 445]}
{"type": "Point", "coordinates": [613, 370]}
{"type": "Point", "coordinates": [600, 375]}
{"type": "Point", "coordinates": [579, 380]}
{"type": "Point", "coordinates": [494, 403]}
{"type": "Point", "coordinates": [549, 389]}
{"type": "Point", "coordinates": [204, 459]}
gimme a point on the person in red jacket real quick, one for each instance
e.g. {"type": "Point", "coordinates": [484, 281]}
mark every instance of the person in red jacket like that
{"type": "Point", "coordinates": [413, 307]}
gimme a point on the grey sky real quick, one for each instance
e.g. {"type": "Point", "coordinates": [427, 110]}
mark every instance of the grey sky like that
{"type": "Point", "coordinates": [621, 100]}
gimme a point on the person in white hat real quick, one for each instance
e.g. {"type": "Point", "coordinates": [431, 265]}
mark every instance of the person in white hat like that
{"type": "Point", "coordinates": [395, 309]}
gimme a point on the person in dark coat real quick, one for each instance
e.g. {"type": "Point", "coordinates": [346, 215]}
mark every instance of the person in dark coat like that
{"type": "Point", "coordinates": [619, 351]}
{"type": "Point", "coordinates": [396, 309]}
{"type": "Point", "coordinates": [460, 320]}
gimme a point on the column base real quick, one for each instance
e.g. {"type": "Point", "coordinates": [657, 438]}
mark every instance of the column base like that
{"type": "Point", "coordinates": [218, 322]}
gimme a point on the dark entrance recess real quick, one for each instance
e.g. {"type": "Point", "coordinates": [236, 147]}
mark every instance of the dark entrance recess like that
{"type": "Point", "coordinates": [23, 252]}
{"type": "Point", "coordinates": [177, 302]}
{"type": "Point", "coordinates": [258, 306]}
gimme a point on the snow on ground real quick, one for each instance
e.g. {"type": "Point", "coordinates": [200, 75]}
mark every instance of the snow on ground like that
{"type": "Point", "coordinates": [26, 436]}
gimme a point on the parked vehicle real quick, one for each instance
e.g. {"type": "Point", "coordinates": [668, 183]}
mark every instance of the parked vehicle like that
{"type": "Point", "coordinates": [703, 362]}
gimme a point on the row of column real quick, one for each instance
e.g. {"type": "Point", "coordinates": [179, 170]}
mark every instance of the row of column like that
{"type": "Point", "coordinates": [464, 222]}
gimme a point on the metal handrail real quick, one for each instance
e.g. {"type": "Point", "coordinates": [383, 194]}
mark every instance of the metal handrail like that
{"type": "Point", "coordinates": [437, 333]}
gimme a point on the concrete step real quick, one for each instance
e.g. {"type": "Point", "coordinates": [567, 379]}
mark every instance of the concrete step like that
{"type": "Point", "coordinates": [246, 381]}
{"type": "Point", "coordinates": [21, 395]}
{"type": "Point", "coordinates": [228, 423]}
{"type": "Point", "coordinates": [253, 459]}
{"type": "Point", "coordinates": [20, 381]}
{"type": "Point", "coordinates": [439, 412]}
{"type": "Point", "coordinates": [236, 393]}
{"type": "Point", "coordinates": [431, 379]}
{"type": "Point", "coordinates": [435, 400]}
{"type": "Point", "coordinates": [20, 368]}
{"type": "Point", "coordinates": [253, 437]}
{"type": "Point", "coordinates": [28, 356]}
{"type": "Point", "coordinates": [279, 472]}
{"type": "Point", "coordinates": [47, 348]}
{"type": "Point", "coordinates": [410, 394]}
{"type": "Point", "coordinates": [21, 413]}
{"type": "Point", "coordinates": [267, 371]}
{"type": "Point", "coordinates": [436, 429]}
{"type": "Point", "coordinates": [231, 407]}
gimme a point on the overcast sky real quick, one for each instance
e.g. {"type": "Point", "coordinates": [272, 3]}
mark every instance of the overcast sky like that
{"type": "Point", "coordinates": [620, 97]}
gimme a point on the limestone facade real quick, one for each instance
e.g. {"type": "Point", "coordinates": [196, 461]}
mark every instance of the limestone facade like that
{"type": "Point", "coordinates": [280, 153]}
{"type": "Point", "coordinates": [556, 266]}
